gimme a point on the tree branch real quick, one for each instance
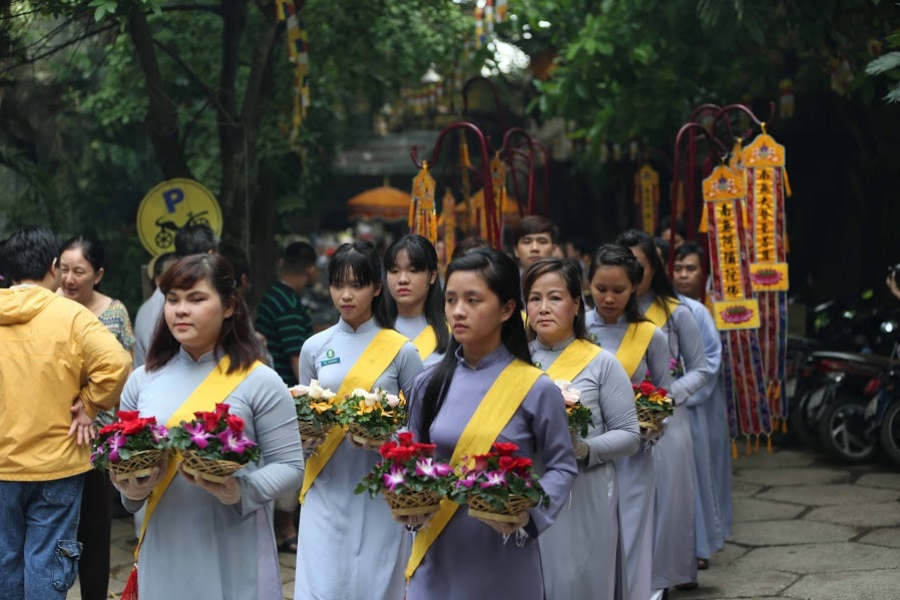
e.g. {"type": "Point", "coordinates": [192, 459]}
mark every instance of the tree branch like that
{"type": "Point", "coordinates": [259, 66]}
{"type": "Point", "coordinates": [210, 93]}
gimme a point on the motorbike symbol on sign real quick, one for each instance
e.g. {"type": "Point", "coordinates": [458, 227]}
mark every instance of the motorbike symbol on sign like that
{"type": "Point", "coordinates": [168, 229]}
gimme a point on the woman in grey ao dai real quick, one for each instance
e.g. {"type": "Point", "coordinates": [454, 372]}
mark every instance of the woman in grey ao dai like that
{"type": "Point", "coordinates": [614, 275]}
{"type": "Point", "coordinates": [675, 551]}
{"type": "Point", "coordinates": [349, 547]}
{"type": "Point", "coordinates": [415, 301]}
{"type": "Point", "coordinates": [579, 553]}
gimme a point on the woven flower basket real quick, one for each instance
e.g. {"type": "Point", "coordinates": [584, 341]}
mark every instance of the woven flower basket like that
{"type": "Point", "coordinates": [217, 471]}
{"type": "Point", "coordinates": [139, 465]}
{"type": "Point", "coordinates": [412, 503]}
{"type": "Point", "coordinates": [309, 431]}
{"type": "Point", "coordinates": [361, 435]}
{"type": "Point", "coordinates": [481, 509]}
{"type": "Point", "coordinates": [649, 419]}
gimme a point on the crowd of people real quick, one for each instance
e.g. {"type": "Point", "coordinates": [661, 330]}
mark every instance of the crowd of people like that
{"type": "Point", "coordinates": [632, 512]}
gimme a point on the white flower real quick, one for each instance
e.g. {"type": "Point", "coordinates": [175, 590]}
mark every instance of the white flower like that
{"type": "Point", "coordinates": [372, 399]}
{"type": "Point", "coordinates": [359, 393]}
{"type": "Point", "coordinates": [315, 390]}
{"type": "Point", "coordinates": [393, 400]}
{"type": "Point", "coordinates": [571, 396]}
{"type": "Point", "coordinates": [299, 390]}
{"type": "Point", "coordinates": [562, 384]}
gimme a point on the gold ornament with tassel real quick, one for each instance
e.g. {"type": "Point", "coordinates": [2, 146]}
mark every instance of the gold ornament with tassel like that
{"type": "Point", "coordinates": [421, 212]}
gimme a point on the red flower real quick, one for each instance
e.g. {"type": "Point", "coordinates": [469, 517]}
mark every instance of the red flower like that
{"type": "Point", "coordinates": [128, 415]}
{"type": "Point", "coordinates": [426, 449]}
{"type": "Point", "coordinates": [662, 391]}
{"type": "Point", "coordinates": [222, 410]}
{"type": "Point", "coordinates": [133, 427]}
{"type": "Point", "coordinates": [235, 423]}
{"type": "Point", "coordinates": [481, 460]}
{"type": "Point", "coordinates": [386, 449]}
{"type": "Point", "coordinates": [507, 463]}
{"type": "Point", "coordinates": [405, 438]}
{"type": "Point", "coordinates": [522, 464]}
{"type": "Point", "coordinates": [505, 449]}
{"type": "Point", "coordinates": [210, 420]}
{"type": "Point", "coordinates": [401, 454]}
{"type": "Point", "coordinates": [111, 428]}
{"type": "Point", "coordinates": [647, 388]}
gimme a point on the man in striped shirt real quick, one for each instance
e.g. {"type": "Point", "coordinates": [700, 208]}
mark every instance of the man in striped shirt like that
{"type": "Point", "coordinates": [281, 316]}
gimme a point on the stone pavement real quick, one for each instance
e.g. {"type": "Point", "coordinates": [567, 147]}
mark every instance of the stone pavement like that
{"type": "Point", "coordinates": [804, 529]}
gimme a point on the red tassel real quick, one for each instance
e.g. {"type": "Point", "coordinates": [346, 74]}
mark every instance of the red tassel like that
{"type": "Point", "coordinates": [131, 586]}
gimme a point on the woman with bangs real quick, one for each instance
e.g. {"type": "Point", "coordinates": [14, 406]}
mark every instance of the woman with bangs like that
{"type": "Point", "coordinates": [674, 548]}
{"type": "Point", "coordinates": [617, 325]}
{"type": "Point", "coordinates": [215, 535]}
{"type": "Point", "coordinates": [579, 553]}
{"type": "Point", "coordinates": [349, 547]}
{"type": "Point", "coordinates": [485, 390]}
{"type": "Point", "coordinates": [415, 301]}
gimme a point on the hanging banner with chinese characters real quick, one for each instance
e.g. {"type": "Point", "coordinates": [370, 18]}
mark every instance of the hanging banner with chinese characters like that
{"type": "Point", "coordinates": [422, 215]}
{"type": "Point", "coordinates": [735, 307]}
{"type": "Point", "coordinates": [766, 182]}
{"type": "Point", "coordinates": [646, 197]}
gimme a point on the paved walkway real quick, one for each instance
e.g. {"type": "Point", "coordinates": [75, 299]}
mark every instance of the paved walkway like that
{"type": "Point", "coordinates": [804, 529]}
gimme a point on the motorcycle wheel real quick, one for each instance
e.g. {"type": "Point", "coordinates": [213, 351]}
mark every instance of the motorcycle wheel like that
{"type": "Point", "coordinates": [842, 431]}
{"type": "Point", "coordinates": [890, 432]}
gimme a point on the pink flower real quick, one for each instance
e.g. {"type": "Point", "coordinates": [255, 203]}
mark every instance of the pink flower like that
{"type": "Point", "coordinates": [494, 479]}
{"type": "Point", "coordinates": [425, 467]}
{"type": "Point", "coordinates": [233, 441]}
{"type": "Point", "coordinates": [394, 478]}
{"type": "Point", "coordinates": [159, 433]}
{"type": "Point", "coordinates": [198, 434]}
{"type": "Point", "coordinates": [442, 469]}
{"type": "Point", "coordinates": [468, 481]}
{"type": "Point", "coordinates": [115, 442]}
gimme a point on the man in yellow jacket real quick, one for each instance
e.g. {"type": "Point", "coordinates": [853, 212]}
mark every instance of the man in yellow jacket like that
{"type": "Point", "coordinates": [59, 366]}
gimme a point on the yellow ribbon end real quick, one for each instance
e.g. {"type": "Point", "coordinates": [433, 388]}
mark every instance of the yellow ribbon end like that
{"type": "Point", "coordinates": [769, 445]}
{"type": "Point", "coordinates": [784, 426]}
{"type": "Point", "coordinates": [734, 452]}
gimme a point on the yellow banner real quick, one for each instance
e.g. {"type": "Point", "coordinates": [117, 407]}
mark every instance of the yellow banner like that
{"type": "Point", "coordinates": [736, 314]}
{"type": "Point", "coordinates": [729, 251]}
{"type": "Point", "coordinates": [769, 277]}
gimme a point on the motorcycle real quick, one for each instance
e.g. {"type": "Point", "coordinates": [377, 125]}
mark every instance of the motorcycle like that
{"type": "Point", "coordinates": [883, 415]}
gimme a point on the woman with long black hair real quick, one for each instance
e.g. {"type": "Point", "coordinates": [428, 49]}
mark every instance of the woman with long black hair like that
{"type": "Point", "coordinates": [415, 302]}
{"type": "Point", "coordinates": [674, 550]}
{"type": "Point", "coordinates": [487, 371]}
{"type": "Point", "coordinates": [349, 547]}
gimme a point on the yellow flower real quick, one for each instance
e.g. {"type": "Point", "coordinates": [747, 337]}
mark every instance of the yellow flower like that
{"type": "Point", "coordinates": [364, 408]}
{"type": "Point", "coordinates": [320, 407]}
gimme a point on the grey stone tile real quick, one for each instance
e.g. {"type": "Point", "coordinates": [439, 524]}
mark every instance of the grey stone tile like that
{"type": "Point", "coordinates": [743, 489]}
{"type": "Point", "coordinates": [868, 585]}
{"type": "Point", "coordinates": [727, 555]}
{"type": "Point", "coordinates": [822, 558]}
{"type": "Point", "coordinates": [882, 537]}
{"type": "Point", "coordinates": [880, 480]}
{"type": "Point", "coordinates": [777, 460]}
{"type": "Point", "coordinates": [783, 533]}
{"type": "Point", "coordinates": [884, 514]}
{"type": "Point", "coordinates": [826, 495]}
{"type": "Point", "coordinates": [736, 581]}
{"type": "Point", "coordinates": [752, 509]}
{"type": "Point", "coordinates": [792, 476]}
{"type": "Point", "coordinates": [287, 590]}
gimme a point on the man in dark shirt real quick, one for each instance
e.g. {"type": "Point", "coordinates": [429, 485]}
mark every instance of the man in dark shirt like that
{"type": "Point", "coordinates": [281, 316]}
{"type": "Point", "coordinates": [285, 323]}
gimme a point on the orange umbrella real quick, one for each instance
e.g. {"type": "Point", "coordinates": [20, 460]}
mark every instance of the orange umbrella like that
{"type": "Point", "coordinates": [510, 208]}
{"type": "Point", "coordinates": [387, 203]}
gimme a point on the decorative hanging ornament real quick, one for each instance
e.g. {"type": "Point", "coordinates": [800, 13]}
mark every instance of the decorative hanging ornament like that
{"type": "Point", "coordinates": [448, 229]}
{"type": "Point", "coordinates": [735, 308]}
{"type": "Point", "coordinates": [479, 26]}
{"type": "Point", "coordinates": [646, 197]}
{"type": "Point", "coordinates": [502, 9]}
{"type": "Point", "coordinates": [298, 53]}
{"type": "Point", "coordinates": [470, 224]}
{"type": "Point", "coordinates": [767, 187]}
{"type": "Point", "coordinates": [786, 98]}
{"type": "Point", "coordinates": [422, 214]}
{"type": "Point", "coordinates": [498, 183]}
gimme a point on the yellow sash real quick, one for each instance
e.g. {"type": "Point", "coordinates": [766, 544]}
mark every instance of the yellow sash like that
{"type": "Point", "coordinates": [634, 345]}
{"type": "Point", "coordinates": [217, 386]}
{"type": "Point", "coordinates": [368, 368]}
{"type": "Point", "coordinates": [497, 407]}
{"type": "Point", "coordinates": [657, 312]}
{"type": "Point", "coordinates": [426, 342]}
{"type": "Point", "coordinates": [573, 360]}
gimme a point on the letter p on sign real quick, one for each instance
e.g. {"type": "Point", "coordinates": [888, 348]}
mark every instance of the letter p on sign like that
{"type": "Point", "coordinates": [172, 197]}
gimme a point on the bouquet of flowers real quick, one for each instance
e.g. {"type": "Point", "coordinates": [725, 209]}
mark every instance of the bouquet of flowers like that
{"type": "Point", "coordinates": [653, 405]}
{"type": "Point", "coordinates": [130, 446]}
{"type": "Point", "coordinates": [213, 445]}
{"type": "Point", "coordinates": [372, 417]}
{"type": "Point", "coordinates": [499, 486]}
{"type": "Point", "coordinates": [316, 409]}
{"type": "Point", "coordinates": [410, 478]}
{"type": "Point", "coordinates": [580, 416]}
